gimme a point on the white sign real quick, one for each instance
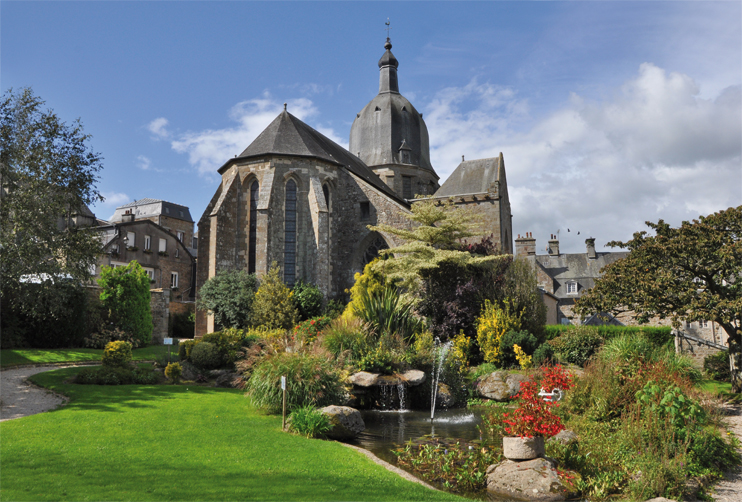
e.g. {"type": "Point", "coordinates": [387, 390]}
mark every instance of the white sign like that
{"type": "Point", "coordinates": [167, 341]}
{"type": "Point", "coordinates": [283, 383]}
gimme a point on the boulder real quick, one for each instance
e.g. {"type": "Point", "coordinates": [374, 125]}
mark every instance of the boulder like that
{"type": "Point", "coordinates": [413, 377]}
{"type": "Point", "coordinates": [388, 380]}
{"type": "Point", "coordinates": [223, 378]}
{"type": "Point", "coordinates": [660, 499]}
{"type": "Point", "coordinates": [535, 479]}
{"type": "Point", "coordinates": [565, 437]}
{"type": "Point", "coordinates": [364, 379]}
{"type": "Point", "coordinates": [188, 371]}
{"type": "Point", "coordinates": [513, 380]}
{"type": "Point", "coordinates": [445, 398]}
{"type": "Point", "coordinates": [495, 386]}
{"type": "Point", "coordinates": [346, 422]}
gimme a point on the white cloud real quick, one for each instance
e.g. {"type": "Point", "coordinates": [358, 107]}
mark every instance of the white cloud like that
{"type": "Point", "coordinates": [144, 163]}
{"type": "Point", "coordinates": [158, 128]}
{"type": "Point", "coordinates": [655, 149]}
{"type": "Point", "coordinates": [111, 202]}
{"type": "Point", "coordinates": [207, 150]}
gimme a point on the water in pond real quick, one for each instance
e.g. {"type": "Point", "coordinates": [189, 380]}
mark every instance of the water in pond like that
{"type": "Point", "coordinates": [387, 430]}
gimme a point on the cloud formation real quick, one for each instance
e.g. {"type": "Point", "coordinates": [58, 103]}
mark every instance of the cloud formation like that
{"type": "Point", "coordinates": [655, 149]}
{"type": "Point", "coordinates": [209, 149]}
{"type": "Point", "coordinates": [143, 163]}
{"type": "Point", "coordinates": [158, 128]}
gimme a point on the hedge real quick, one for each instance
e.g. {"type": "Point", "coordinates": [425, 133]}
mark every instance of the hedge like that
{"type": "Point", "coordinates": [660, 335]}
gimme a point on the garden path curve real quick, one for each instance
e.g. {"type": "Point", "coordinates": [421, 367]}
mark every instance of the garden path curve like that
{"type": "Point", "coordinates": [20, 398]}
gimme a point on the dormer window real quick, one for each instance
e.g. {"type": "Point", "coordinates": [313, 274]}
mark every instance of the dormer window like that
{"type": "Point", "coordinates": [572, 288]}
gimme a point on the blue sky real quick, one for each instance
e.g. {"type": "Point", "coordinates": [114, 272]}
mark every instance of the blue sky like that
{"type": "Point", "coordinates": [608, 113]}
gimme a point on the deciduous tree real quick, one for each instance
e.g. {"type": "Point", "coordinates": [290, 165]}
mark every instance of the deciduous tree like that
{"type": "Point", "coordinates": [47, 174]}
{"type": "Point", "coordinates": [126, 295]}
{"type": "Point", "coordinates": [229, 296]}
{"type": "Point", "coordinates": [688, 273]}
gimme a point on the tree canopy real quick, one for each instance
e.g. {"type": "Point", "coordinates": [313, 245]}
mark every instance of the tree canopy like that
{"type": "Point", "coordinates": [441, 226]}
{"type": "Point", "coordinates": [47, 174]}
{"type": "Point", "coordinates": [126, 295]}
{"type": "Point", "coordinates": [229, 297]}
{"type": "Point", "coordinates": [689, 273]}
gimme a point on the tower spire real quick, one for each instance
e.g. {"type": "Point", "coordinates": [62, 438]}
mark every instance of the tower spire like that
{"type": "Point", "coordinates": [388, 67]}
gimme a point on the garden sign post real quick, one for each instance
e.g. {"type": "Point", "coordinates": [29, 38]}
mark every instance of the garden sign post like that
{"type": "Point", "coordinates": [168, 342]}
{"type": "Point", "coordinates": [283, 388]}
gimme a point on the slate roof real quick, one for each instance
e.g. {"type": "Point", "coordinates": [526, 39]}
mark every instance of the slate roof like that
{"type": "Point", "coordinates": [287, 135]}
{"type": "Point", "coordinates": [471, 177]}
{"type": "Point", "coordinates": [154, 207]}
{"type": "Point", "coordinates": [577, 267]}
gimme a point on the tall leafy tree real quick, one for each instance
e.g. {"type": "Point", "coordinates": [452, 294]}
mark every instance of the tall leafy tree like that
{"type": "Point", "coordinates": [688, 273]}
{"type": "Point", "coordinates": [126, 295]}
{"type": "Point", "coordinates": [48, 173]}
{"type": "Point", "coordinates": [229, 297]}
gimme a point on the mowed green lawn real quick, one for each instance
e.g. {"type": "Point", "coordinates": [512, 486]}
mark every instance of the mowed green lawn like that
{"type": "Point", "coordinates": [178, 443]}
{"type": "Point", "coordinates": [15, 357]}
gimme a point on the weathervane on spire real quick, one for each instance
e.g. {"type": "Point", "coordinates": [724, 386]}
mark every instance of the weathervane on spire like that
{"type": "Point", "coordinates": [388, 27]}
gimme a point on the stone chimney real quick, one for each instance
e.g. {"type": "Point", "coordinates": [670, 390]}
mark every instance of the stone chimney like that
{"type": "Point", "coordinates": [127, 216]}
{"type": "Point", "coordinates": [553, 246]}
{"type": "Point", "coordinates": [590, 243]}
{"type": "Point", "coordinates": [525, 246]}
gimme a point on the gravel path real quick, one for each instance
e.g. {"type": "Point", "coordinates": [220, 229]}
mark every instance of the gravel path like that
{"type": "Point", "coordinates": [20, 398]}
{"type": "Point", "coordinates": [730, 488]}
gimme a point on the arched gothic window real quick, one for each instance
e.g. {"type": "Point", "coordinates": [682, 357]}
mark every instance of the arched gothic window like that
{"type": "Point", "coordinates": [289, 255]}
{"type": "Point", "coordinates": [372, 251]}
{"type": "Point", "coordinates": [253, 236]}
{"type": "Point", "coordinates": [326, 192]}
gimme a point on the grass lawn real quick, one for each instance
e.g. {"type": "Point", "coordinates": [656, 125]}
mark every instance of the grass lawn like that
{"type": "Point", "coordinates": [178, 443]}
{"type": "Point", "coordinates": [15, 357]}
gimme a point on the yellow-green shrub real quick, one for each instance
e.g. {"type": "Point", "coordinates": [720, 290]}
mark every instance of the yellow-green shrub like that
{"type": "Point", "coordinates": [173, 372]}
{"type": "Point", "coordinates": [461, 350]}
{"type": "Point", "coordinates": [492, 324]}
{"type": "Point", "coordinates": [185, 347]}
{"type": "Point", "coordinates": [367, 283]}
{"type": "Point", "coordinates": [116, 354]}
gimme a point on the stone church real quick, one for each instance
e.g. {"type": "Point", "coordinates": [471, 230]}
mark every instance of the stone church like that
{"type": "Point", "coordinates": [297, 198]}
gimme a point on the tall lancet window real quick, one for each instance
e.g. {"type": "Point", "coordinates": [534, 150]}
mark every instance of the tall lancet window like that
{"type": "Point", "coordinates": [326, 192]}
{"type": "Point", "coordinates": [289, 255]}
{"type": "Point", "coordinates": [252, 242]}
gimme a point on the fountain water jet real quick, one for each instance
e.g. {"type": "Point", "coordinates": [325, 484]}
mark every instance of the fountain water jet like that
{"type": "Point", "coordinates": [439, 357]}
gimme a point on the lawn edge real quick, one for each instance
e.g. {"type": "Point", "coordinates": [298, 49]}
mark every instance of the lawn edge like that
{"type": "Point", "coordinates": [389, 467]}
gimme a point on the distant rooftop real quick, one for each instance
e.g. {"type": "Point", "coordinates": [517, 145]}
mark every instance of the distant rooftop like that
{"type": "Point", "coordinates": [144, 208]}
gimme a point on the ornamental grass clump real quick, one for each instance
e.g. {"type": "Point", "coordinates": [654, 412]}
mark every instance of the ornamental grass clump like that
{"type": "Point", "coordinates": [309, 421]}
{"type": "Point", "coordinates": [311, 380]}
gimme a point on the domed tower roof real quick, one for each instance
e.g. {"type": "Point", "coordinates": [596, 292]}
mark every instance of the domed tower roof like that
{"type": "Point", "coordinates": [388, 122]}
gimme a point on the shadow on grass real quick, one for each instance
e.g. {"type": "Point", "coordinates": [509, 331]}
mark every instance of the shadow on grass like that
{"type": "Point", "coordinates": [113, 398]}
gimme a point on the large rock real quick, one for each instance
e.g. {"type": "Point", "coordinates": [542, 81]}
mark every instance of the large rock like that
{"type": "Point", "coordinates": [346, 422]}
{"type": "Point", "coordinates": [223, 378]}
{"type": "Point", "coordinates": [565, 437]}
{"type": "Point", "coordinates": [535, 479]}
{"type": "Point", "coordinates": [188, 371]}
{"type": "Point", "coordinates": [444, 398]}
{"type": "Point", "coordinates": [499, 385]}
{"type": "Point", "coordinates": [413, 377]}
{"type": "Point", "coordinates": [364, 379]}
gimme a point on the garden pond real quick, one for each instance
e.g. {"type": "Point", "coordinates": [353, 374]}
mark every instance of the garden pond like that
{"type": "Point", "coordinates": [390, 430]}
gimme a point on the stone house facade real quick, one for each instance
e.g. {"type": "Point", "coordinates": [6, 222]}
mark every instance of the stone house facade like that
{"type": "Point", "coordinates": [296, 198]}
{"type": "Point", "coordinates": [563, 278]}
{"type": "Point", "coordinates": [167, 260]}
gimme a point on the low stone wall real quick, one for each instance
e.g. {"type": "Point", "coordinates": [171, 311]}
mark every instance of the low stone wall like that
{"type": "Point", "coordinates": [696, 351]}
